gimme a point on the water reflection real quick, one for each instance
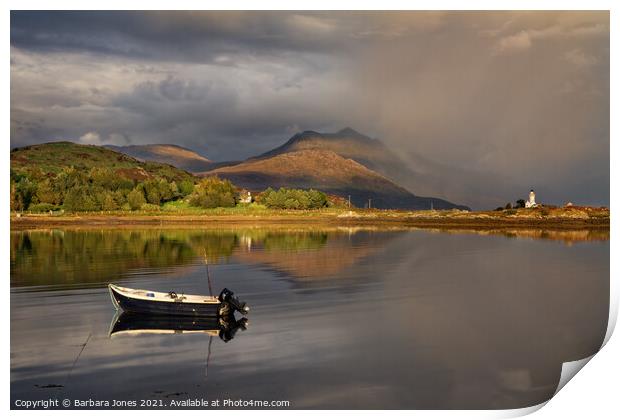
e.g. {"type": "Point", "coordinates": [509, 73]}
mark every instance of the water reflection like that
{"type": "Point", "coordinates": [130, 324]}
{"type": "Point", "coordinates": [57, 258]}
{"type": "Point", "coordinates": [340, 318]}
{"type": "Point", "coordinates": [567, 236]}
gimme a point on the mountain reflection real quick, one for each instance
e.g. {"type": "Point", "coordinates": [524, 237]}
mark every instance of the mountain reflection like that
{"type": "Point", "coordinates": [72, 257]}
{"type": "Point", "coordinates": [320, 259]}
{"type": "Point", "coordinates": [67, 258]}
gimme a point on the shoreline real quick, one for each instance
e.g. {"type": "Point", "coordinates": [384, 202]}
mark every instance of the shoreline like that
{"type": "Point", "coordinates": [566, 220]}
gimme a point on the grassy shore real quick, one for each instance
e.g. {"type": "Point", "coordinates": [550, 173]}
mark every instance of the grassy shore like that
{"type": "Point", "coordinates": [542, 217]}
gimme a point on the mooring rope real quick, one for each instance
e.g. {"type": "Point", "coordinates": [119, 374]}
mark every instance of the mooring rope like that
{"type": "Point", "coordinates": [208, 276]}
{"type": "Point", "coordinates": [78, 356]}
{"type": "Point", "coordinates": [208, 356]}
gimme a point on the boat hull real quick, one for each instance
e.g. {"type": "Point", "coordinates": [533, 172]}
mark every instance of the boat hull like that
{"type": "Point", "coordinates": [128, 323]}
{"type": "Point", "coordinates": [141, 306]}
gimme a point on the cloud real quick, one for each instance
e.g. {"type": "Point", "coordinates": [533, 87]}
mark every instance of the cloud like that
{"type": "Point", "coordinates": [524, 39]}
{"type": "Point", "coordinates": [520, 41]}
{"type": "Point", "coordinates": [91, 138]}
{"type": "Point", "coordinates": [591, 30]}
{"type": "Point", "coordinates": [498, 100]}
{"type": "Point", "coordinates": [310, 24]}
{"type": "Point", "coordinates": [580, 59]}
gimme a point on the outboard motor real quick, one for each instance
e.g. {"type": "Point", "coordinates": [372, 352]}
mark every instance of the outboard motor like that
{"type": "Point", "coordinates": [230, 328]}
{"type": "Point", "coordinates": [229, 297]}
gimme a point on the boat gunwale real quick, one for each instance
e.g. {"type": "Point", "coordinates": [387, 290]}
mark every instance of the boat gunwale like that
{"type": "Point", "coordinates": [141, 294]}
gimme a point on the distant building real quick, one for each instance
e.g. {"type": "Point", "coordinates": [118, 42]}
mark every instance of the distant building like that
{"type": "Point", "coordinates": [531, 201]}
{"type": "Point", "coordinates": [245, 197]}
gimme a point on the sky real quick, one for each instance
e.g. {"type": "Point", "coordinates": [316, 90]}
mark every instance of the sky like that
{"type": "Point", "coordinates": [497, 102]}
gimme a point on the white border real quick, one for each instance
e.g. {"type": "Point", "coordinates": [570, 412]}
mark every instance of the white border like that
{"type": "Point", "coordinates": [595, 391]}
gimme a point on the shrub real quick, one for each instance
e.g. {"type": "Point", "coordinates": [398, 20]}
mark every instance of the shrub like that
{"type": "Point", "coordinates": [293, 199]}
{"type": "Point", "coordinates": [22, 194]}
{"type": "Point", "coordinates": [78, 198]}
{"type": "Point", "coordinates": [186, 187]}
{"type": "Point", "coordinates": [47, 193]}
{"type": "Point", "coordinates": [135, 199]}
{"type": "Point", "coordinates": [213, 192]}
{"type": "Point", "coordinates": [78, 188]}
{"type": "Point", "coordinates": [107, 201]}
{"type": "Point", "coordinates": [165, 192]}
{"type": "Point", "coordinates": [150, 207]}
{"type": "Point", "coordinates": [174, 191]}
{"type": "Point", "coordinates": [103, 177]}
{"type": "Point", "coordinates": [151, 192]}
{"type": "Point", "coordinates": [318, 199]}
{"type": "Point", "coordinates": [42, 207]}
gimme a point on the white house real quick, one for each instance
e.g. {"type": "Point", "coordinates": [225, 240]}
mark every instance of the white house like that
{"type": "Point", "coordinates": [245, 197]}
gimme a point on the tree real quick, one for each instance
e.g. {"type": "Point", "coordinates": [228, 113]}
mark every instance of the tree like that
{"type": "Point", "coordinates": [104, 178]}
{"type": "Point", "coordinates": [120, 197]}
{"type": "Point", "coordinates": [186, 187]}
{"type": "Point", "coordinates": [48, 193]}
{"type": "Point", "coordinates": [108, 202]}
{"type": "Point", "coordinates": [23, 194]}
{"type": "Point", "coordinates": [151, 192]}
{"type": "Point", "coordinates": [165, 191]}
{"type": "Point", "coordinates": [135, 198]}
{"type": "Point", "coordinates": [520, 203]}
{"type": "Point", "coordinates": [174, 190]}
{"type": "Point", "coordinates": [69, 177]}
{"type": "Point", "coordinates": [508, 206]}
{"type": "Point", "coordinates": [318, 199]}
{"type": "Point", "coordinates": [79, 198]}
{"type": "Point", "coordinates": [293, 199]}
{"type": "Point", "coordinates": [213, 192]}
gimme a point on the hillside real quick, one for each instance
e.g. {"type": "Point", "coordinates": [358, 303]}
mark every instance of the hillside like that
{"type": "Point", "coordinates": [346, 142]}
{"type": "Point", "coordinates": [327, 171]}
{"type": "Point", "coordinates": [350, 144]}
{"type": "Point", "coordinates": [418, 175]}
{"type": "Point", "coordinates": [48, 159]}
{"type": "Point", "coordinates": [171, 154]}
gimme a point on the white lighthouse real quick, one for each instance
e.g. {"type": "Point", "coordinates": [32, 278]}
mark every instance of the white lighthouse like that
{"type": "Point", "coordinates": [531, 202]}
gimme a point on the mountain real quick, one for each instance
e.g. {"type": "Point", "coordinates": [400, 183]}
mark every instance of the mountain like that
{"type": "Point", "coordinates": [350, 144]}
{"type": "Point", "coordinates": [427, 178]}
{"type": "Point", "coordinates": [47, 159]}
{"type": "Point", "coordinates": [171, 154]}
{"type": "Point", "coordinates": [327, 171]}
{"type": "Point", "coordinates": [346, 142]}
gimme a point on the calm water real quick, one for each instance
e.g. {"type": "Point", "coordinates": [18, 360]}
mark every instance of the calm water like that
{"type": "Point", "coordinates": [340, 318]}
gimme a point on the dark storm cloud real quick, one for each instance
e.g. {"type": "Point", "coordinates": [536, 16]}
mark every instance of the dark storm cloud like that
{"type": "Point", "coordinates": [492, 102]}
{"type": "Point", "coordinates": [179, 35]}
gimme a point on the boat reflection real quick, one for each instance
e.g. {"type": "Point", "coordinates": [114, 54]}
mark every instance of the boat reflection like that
{"type": "Point", "coordinates": [132, 324]}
